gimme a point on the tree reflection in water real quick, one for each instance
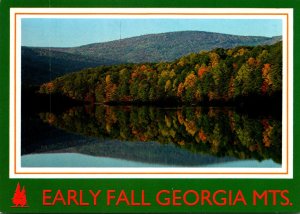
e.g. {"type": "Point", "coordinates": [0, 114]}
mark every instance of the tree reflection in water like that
{"type": "Point", "coordinates": [221, 132]}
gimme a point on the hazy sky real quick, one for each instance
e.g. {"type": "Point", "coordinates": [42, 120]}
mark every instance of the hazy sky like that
{"type": "Point", "coordinates": [45, 32]}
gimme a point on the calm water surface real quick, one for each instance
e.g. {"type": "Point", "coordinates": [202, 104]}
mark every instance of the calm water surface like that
{"type": "Point", "coordinates": [127, 136]}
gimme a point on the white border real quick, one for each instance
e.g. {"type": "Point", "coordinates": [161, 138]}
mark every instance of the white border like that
{"type": "Point", "coordinates": [176, 13]}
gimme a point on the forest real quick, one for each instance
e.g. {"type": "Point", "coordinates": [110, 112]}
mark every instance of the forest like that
{"type": "Point", "coordinates": [219, 75]}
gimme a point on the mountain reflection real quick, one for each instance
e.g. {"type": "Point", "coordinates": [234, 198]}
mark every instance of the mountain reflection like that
{"type": "Point", "coordinates": [221, 132]}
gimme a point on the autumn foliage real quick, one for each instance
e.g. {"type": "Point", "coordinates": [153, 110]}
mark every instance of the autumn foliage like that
{"type": "Point", "coordinates": [217, 75]}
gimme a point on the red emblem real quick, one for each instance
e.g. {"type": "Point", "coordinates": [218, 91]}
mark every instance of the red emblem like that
{"type": "Point", "coordinates": [19, 199]}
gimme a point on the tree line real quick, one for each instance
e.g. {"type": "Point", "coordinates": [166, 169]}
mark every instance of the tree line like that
{"type": "Point", "coordinates": [217, 75]}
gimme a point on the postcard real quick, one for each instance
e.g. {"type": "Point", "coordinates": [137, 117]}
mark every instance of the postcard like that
{"type": "Point", "coordinates": [123, 108]}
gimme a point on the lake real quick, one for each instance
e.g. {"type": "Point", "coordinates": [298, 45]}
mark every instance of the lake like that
{"type": "Point", "coordinates": [149, 136]}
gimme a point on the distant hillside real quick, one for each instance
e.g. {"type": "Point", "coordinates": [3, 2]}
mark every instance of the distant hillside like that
{"type": "Point", "coordinates": [36, 62]}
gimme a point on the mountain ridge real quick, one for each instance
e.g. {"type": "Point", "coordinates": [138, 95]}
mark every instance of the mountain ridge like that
{"type": "Point", "coordinates": [152, 34]}
{"type": "Point", "coordinates": [139, 49]}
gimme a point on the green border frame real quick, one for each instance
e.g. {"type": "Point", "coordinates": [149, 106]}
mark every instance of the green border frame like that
{"type": "Point", "coordinates": [34, 187]}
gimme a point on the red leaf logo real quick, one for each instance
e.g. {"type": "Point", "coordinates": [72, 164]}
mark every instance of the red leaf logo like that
{"type": "Point", "coordinates": [19, 199]}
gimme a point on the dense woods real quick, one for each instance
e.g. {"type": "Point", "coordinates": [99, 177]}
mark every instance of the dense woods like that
{"type": "Point", "coordinates": [217, 75]}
